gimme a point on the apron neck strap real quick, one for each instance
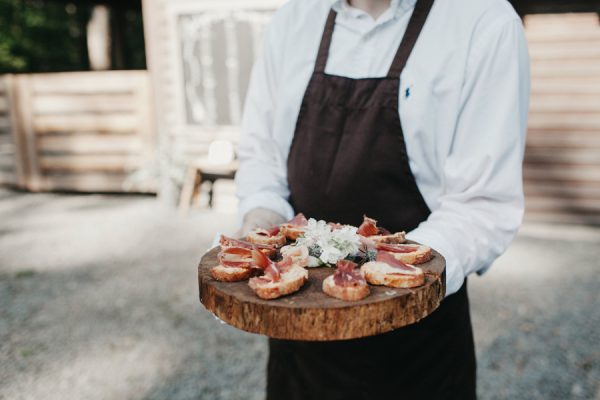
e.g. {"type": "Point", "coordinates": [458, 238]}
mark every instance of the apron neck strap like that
{"type": "Point", "coordinates": [325, 42]}
{"type": "Point", "coordinates": [413, 30]}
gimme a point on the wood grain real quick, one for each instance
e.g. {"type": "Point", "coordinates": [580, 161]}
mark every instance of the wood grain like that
{"type": "Point", "coordinates": [312, 315]}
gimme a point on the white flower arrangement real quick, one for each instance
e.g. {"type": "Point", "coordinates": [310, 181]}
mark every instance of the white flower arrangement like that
{"type": "Point", "coordinates": [328, 245]}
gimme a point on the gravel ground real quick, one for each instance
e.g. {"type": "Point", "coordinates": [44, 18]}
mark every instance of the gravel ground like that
{"type": "Point", "coordinates": [99, 300]}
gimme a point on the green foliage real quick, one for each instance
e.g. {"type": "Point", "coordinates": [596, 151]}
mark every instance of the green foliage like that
{"type": "Point", "coordinates": [39, 36]}
{"type": "Point", "coordinates": [46, 36]}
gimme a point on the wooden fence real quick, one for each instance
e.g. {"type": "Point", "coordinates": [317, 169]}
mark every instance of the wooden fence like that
{"type": "Point", "coordinates": [78, 131]}
{"type": "Point", "coordinates": [562, 162]}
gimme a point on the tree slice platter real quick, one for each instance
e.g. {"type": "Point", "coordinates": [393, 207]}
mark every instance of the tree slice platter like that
{"type": "Point", "coordinates": [310, 314]}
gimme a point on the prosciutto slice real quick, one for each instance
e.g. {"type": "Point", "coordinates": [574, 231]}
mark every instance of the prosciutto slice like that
{"type": "Point", "coordinates": [298, 221]}
{"type": "Point", "coordinates": [369, 228]}
{"type": "Point", "coordinates": [397, 248]}
{"type": "Point", "coordinates": [268, 232]}
{"type": "Point", "coordinates": [271, 270]}
{"type": "Point", "coordinates": [227, 242]}
{"type": "Point", "coordinates": [236, 257]}
{"type": "Point", "coordinates": [401, 268]}
{"type": "Point", "coordinates": [348, 274]}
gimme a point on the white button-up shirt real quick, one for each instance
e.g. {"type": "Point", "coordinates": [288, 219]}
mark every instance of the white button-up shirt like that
{"type": "Point", "coordinates": [463, 104]}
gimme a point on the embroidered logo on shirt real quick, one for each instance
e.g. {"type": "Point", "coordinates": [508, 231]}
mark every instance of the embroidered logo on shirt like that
{"type": "Point", "coordinates": [407, 93]}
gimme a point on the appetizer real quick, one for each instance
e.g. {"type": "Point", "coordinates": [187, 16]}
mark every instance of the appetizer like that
{"type": "Point", "coordinates": [407, 253]}
{"type": "Point", "coordinates": [298, 253]}
{"type": "Point", "coordinates": [387, 270]}
{"type": "Point", "coordinates": [268, 237]}
{"type": "Point", "coordinates": [228, 242]}
{"type": "Point", "coordinates": [370, 230]}
{"type": "Point", "coordinates": [295, 228]}
{"type": "Point", "coordinates": [279, 279]}
{"type": "Point", "coordinates": [235, 264]}
{"type": "Point", "coordinates": [347, 283]}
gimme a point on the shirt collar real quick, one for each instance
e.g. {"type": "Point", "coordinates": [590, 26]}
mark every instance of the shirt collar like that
{"type": "Point", "coordinates": [397, 7]}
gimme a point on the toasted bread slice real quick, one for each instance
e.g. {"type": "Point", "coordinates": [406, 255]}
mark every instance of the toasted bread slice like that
{"type": "Point", "coordinates": [398, 237]}
{"type": "Point", "coordinates": [347, 293]}
{"type": "Point", "coordinates": [230, 274]}
{"type": "Point", "coordinates": [421, 255]}
{"type": "Point", "coordinates": [298, 253]}
{"type": "Point", "coordinates": [380, 273]}
{"type": "Point", "coordinates": [291, 281]}
{"type": "Point", "coordinates": [258, 236]}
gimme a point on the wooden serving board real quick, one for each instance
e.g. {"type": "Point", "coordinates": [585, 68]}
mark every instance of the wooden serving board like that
{"type": "Point", "coordinates": [310, 314]}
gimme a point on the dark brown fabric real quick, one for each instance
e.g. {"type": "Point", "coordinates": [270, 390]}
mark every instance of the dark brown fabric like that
{"type": "Point", "coordinates": [348, 158]}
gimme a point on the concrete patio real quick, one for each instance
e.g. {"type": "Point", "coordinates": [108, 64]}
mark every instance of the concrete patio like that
{"type": "Point", "coordinates": [99, 300]}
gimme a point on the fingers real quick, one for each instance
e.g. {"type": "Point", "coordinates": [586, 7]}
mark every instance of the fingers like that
{"type": "Point", "coordinates": [260, 218]}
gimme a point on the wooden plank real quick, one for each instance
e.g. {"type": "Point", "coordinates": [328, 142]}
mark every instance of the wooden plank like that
{"type": "Point", "coordinates": [562, 138]}
{"type": "Point", "coordinates": [7, 178]}
{"type": "Point", "coordinates": [548, 22]}
{"type": "Point", "coordinates": [106, 123]}
{"type": "Point", "coordinates": [14, 136]}
{"type": "Point", "coordinates": [89, 163]}
{"type": "Point", "coordinates": [583, 156]}
{"type": "Point", "coordinates": [558, 217]}
{"type": "Point", "coordinates": [90, 144]}
{"type": "Point", "coordinates": [90, 182]}
{"type": "Point", "coordinates": [147, 131]}
{"type": "Point", "coordinates": [90, 103]}
{"type": "Point", "coordinates": [24, 134]}
{"type": "Point", "coordinates": [559, 50]}
{"type": "Point", "coordinates": [562, 190]}
{"type": "Point", "coordinates": [566, 104]}
{"type": "Point", "coordinates": [556, 69]}
{"type": "Point", "coordinates": [4, 105]}
{"type": "Point", "coordinates": [117, 82]}
{"type": "Point", "coordinates": [556, 172]}
{"type": "Point", "coordinates": [565, 86]}
{"type": "Point", "coordinates": [85, 182]}
{"type": "Point", "coordinates": [581, 34]}
{"type": "Point", "coordinates": [584, 205]}
{"type": "Point", "coordinates": [566, 121]}
{"type": "Point", "coordinates": [4, 123]}
{"type": "Point", "coordinates": [7, 149]}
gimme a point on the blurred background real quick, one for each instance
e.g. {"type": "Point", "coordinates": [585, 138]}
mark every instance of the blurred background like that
{"type": "Point", "coordinates": [118, 125]}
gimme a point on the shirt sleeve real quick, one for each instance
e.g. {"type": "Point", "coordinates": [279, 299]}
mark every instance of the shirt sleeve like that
{"type": "Point", "coordinates": [261, 179]}
{"type": "Point", "coordinates": [482, 204]}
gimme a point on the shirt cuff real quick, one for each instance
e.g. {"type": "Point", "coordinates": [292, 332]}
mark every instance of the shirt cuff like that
{"type": "Point", "coordinates": [454, 272]}
{"type": "Point", "coordinates": [268, 200]}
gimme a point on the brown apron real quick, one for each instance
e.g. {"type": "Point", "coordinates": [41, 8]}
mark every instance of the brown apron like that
{"type": "Point", "coordinates": [348, 158]}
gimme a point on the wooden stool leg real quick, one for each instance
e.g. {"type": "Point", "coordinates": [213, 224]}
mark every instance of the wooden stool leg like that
{"type": "Point", "coordinates": [197, 188]}
{"type": "Point", "coordinates": [210, 194]}
{"type": "Point", "coordinates": [187, 191]}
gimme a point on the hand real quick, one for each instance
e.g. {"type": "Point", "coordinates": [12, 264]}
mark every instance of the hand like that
{"type": "Point", "coordinates": [260, 218]}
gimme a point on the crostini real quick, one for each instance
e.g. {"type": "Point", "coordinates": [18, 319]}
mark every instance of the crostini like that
{"type": "Point", "coordinates": [347, 282]}
{"type": "Point", "coordinates": [235, 264]}
{"type": "Point", "coordinates": [279, 279]}
{"type": "Point", "coordinates": [298, 253]}
{"type": "Point", "coordinates": [387, 270]}
{"type": "Point", "coordinates": [407, 253]}
{"type": "Point", "coordinates": [268, 237]}
{"type": "Point", "coordinates": [295, 228]}
{"type": "Point", "coordinates": [370, 230]}
{"type": "Point", "coordinates": [227, 242]}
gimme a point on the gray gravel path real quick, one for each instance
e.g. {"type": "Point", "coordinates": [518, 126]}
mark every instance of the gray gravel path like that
{"type": "Point", "coordinates": [99, 300]}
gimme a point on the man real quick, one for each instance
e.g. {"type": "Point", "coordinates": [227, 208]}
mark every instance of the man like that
{"type": "Point", "coordinates": [413, 112]}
